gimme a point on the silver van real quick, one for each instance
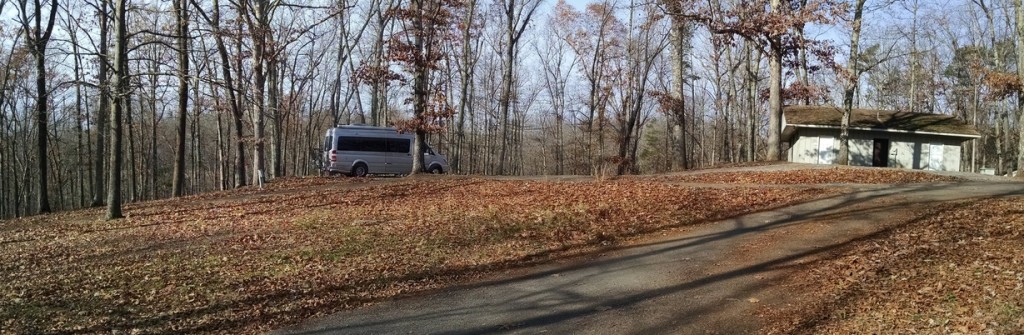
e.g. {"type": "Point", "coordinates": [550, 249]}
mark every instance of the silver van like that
{"type": "Point", "coordinates": [358, 150]}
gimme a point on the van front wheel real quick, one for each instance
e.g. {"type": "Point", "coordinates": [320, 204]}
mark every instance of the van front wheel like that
{"type": "Point", "coordinates": [435, 170]}
{"type": "Point", "coordinates": [359, 170]}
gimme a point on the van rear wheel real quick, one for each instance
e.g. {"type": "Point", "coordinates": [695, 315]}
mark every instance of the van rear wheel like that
{"type": "Point", "coordinates": [359, 170]}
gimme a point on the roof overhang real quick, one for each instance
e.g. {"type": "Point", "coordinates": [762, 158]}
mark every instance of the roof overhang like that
{"type": "Point", "coordinates": [790, 130]}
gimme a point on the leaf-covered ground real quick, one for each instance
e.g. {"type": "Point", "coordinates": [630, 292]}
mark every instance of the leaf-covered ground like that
{"type": "Point", "coordinates": [815, 176]}
{"type": "Point", "coordinates": [243, 262]}
{"type": "Point", "coordinates": [959, 270]}
{"type": "Point", "coordinates": [250, 260]}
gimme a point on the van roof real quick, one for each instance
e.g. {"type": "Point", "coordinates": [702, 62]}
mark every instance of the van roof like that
{"type": "Point", "coordinates": [362, 126]}
{"type": "Point", "coordinates": [365, 130]}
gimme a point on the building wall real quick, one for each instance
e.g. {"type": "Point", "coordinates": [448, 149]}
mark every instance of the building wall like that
{"type": "Point", "coordinates": [908, 151]}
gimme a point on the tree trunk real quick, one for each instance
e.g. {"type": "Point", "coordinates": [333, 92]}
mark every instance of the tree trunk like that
{"type": "Point", "coordinates": [420, 85]}
{"type": "Point", "coordinates": [38, 37]}
{"type": "Point", "coordinates": [506, 99]}
{"type": "Point", "coordinates": [197, 178]}
{"type": "Point", "coordinates": [913, 59]}
{"type": "Point", "coordinates": [680, 39]}
{"type": "Point", "coordinates": [273, 104]}
{"type": "Point", "coordinates": [154, 127]}
{"type": "Point", "coordinates": [775, 106]}
{"type": "Point", "coordinates": [98, 185]}
{"type": "Point", "coordinates": [258, 89]}
{"type": "Point", "coordinates": [752, 70]}
{"type": "Point", "coordinates": [466, 82]}
{"type": "Point", "coordinates": [133, 189]}
{"type": "Point", "coordinates": [222, 160]}
{"type": "Point", "coordinates": [775, 94]}
{"type": "Point", "coordinates": [515, 24]}
{"type": "Point", "coordinates": [233, 100]}
{"type": "Point", "coordinates": [1019, 11]}
{"type": "Point", "coordinates": [81, 153]}
{"type": "Point", "coordinates": [181, 13]}
{"type": "Point", "coordinates": [42, 129]}
{"type": "Point", "coordinates": [120, 81]}
{"type": "Point", "coordinates": [853, 71]}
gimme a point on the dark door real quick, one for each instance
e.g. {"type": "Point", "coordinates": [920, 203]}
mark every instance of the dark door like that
{"type": "Point", "coordinates": [880, 157]}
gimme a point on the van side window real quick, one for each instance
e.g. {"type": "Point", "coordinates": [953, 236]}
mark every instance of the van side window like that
{"type": "Point", "coordinates": [349, 143]}
{"type": "Point", "coordinates": [327, 143]}
{"type": "Point", "coordinates": [398, 145]}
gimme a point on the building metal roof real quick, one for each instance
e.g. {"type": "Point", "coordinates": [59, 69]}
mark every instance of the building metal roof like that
{"type": "Point", "coordinates": [876, 120]}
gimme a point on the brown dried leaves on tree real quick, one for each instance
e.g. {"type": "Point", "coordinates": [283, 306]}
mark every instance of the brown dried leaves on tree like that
{"type": "Point", "coordinates": [423, 24]}
{"type": "Point", "coordinates": [1002, 84]}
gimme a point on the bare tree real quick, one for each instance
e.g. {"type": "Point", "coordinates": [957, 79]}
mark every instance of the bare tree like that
{"type": "Point", "coordinates": [593, 42]}
{"type": "Point", "coordinates": [517, 17]}
{"type": "Point", "coordinates": [257, 16]}
{"type": "Point", "coordinates": [557, 71]}
{"type": "Point", "coordinates": [467, 71]}
{"type": "Point", "coordinates": [643, 47]}
{"type": "Point", "coordinates": [230, 87]}
{"type": "Point", "coordinates": [37, 37]}
{"type": "Point", "coordinates": [679, 36]}
{"type": "Point", "coordinates": [853, 78]}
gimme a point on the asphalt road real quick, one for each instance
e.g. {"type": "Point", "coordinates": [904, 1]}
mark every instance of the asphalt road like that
{"type": "Point", "coordinates": [714, 279]}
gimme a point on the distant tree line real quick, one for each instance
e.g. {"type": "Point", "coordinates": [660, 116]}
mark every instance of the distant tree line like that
{"type": "Point", "coordinates": [104, 102]}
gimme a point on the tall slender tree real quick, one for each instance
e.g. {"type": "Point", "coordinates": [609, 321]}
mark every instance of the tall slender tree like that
{"type": "Point", "coordinates": [517, 16]}
{"type": "Point", "coordinates": [467, 71]}
{"type": "Point", "coordinates": [852, 76]}
{"type": "Point", "coordinates": [230, 86]}
{"type": "Point", "coordinates": [679, 37]}
{"type": "Point", "coordinates": [118, 101]}
{"type": "Point", "coordinates": [37, 36]}
{"type": "Point", "coordinates": [257, 16]}
{"type": "Point", "coordinates": [182, 38]}
{"type": "Point", "coordinates": [103, 83]}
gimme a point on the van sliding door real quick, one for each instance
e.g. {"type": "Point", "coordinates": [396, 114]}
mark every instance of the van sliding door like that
{"type": "Point", "coordinates": [372, 150]}
{"type": "Point", "coordinates": [400, 155]}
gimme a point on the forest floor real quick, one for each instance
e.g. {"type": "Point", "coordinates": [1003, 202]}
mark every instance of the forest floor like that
{"type": "Point", "coordinates": [253, 260]}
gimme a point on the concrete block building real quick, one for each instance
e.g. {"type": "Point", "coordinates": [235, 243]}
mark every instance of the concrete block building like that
{"type": "Point", "coordinates": [877, 137]}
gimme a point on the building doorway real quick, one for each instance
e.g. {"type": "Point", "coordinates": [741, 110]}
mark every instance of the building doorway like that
{"type": "Point", "coordinates": [935, 157]}
{"type": "Point", "coordinates": [880, 155]}
{"type": "Point", "coordinates": [826, 150]}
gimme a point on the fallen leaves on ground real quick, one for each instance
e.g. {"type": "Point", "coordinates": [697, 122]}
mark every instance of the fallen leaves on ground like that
{"type": "Point", "coordinates": [815, 176]}
{"type": "Point", "coordinates": [248, 261]}
{"type": "Point", "coordinates": [960, 270]}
